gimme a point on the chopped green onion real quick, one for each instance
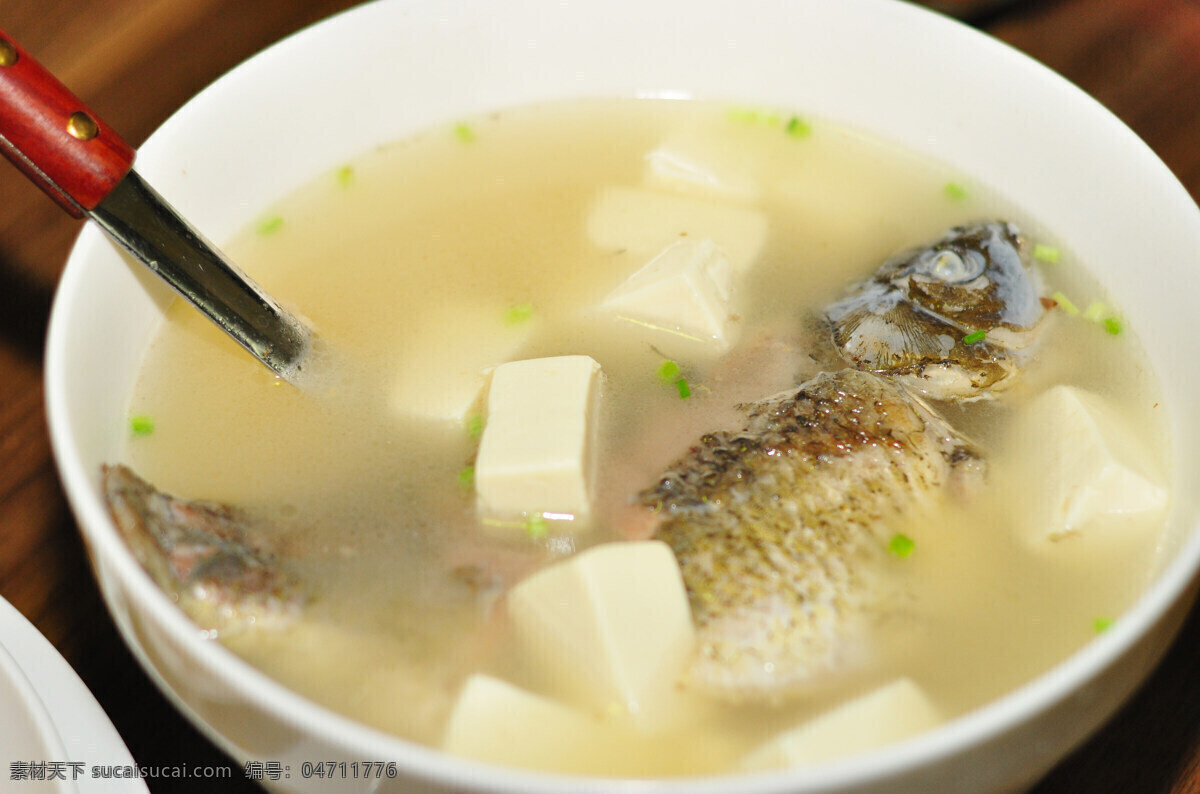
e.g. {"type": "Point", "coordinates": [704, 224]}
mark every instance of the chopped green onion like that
{"type": "Point", "coordinates": [668, 371]}
{"type": "Point", "coordinates": [466, 477]}
{"type": "Point", "coordinates": [1095, 311]}
{"type": "Point", "coordinates": [141, 425]}
{"type": "Point", "coordinates": [1065, 302]}
{"type": "Point", "coordinates": [536, 526]}
{"type": "Point", "coordinates": [345, 176]}
{"type": "Point", "coordinates": [270, 225]}
{"type": "Point", "coordinates": [954, 191]}
{"type": "Point", "coordinates": [1112, 325]}
{"type": "Point", "coordinates": [901, 545]}
{"type": "Point", "coordinates": [464, 133]}
{"type": "Point", "coordinates": [1045, 253]}
{"type": "Point", "coordinates": [798, 127]}
{"type": "Point", "coordinates": [518, 314]}
{"type": "Point", "coordinates": [754, 116]}
{"type": "Point", "coordinates": [974, 336]}
{"type": "Point", "coordinates": [1102, 624]}
{"type": "Point", "coordinates": [474, 425]}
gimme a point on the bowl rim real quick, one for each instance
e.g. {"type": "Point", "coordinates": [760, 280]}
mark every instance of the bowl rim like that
{"type": "Point", "coordinates": [951, 738]}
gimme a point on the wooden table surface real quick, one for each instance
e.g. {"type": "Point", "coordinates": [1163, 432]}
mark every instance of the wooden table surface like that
{"type": "Point", "coordinates": [136, 61]}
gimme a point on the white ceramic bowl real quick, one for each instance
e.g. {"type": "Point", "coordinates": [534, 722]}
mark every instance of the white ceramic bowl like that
{"type": "Point", "coordinates": [390, 68]}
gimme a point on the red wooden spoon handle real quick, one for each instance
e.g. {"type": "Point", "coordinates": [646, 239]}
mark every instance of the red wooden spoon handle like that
{"type": "Point", "coordinates": [48, 133]}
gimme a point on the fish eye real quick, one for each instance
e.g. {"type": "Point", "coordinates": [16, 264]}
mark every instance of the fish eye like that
{"type": "Point", "coordinates": [949, 266]}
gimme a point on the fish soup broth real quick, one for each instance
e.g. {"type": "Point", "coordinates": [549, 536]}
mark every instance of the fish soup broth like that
{"type": "Point", "coordinates": [431, 260]}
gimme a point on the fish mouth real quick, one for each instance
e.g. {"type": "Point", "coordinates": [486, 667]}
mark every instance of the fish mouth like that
{"type": "Point", "coordinates": [950, 318]}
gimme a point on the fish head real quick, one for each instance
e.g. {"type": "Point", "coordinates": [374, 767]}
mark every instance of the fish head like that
{"type": "Point", "coordinates": [949, 317]}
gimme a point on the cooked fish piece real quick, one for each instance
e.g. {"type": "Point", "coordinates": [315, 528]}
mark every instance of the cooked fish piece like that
{"type": "Point", "coordinates": [217, 563]}
{"type": "Point", "coordinates": [780, 528]}
{"type": "Point", "coordinates": [948, 319]}
{"type": "Point", "coordinates": [205, 555]}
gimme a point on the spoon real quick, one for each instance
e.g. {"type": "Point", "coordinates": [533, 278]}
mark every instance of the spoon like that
{"type": "Point", "coordinates": [81, 163]}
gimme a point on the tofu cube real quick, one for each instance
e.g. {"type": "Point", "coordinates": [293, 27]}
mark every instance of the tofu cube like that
{"type": "Point", "coordinates": [889, 714]}
{"type": "Point", "coordinates": [1079, 465]}
{"type": "Point", "coordinates": [441, 372]}
{"type": "Point", "coordinates": [702, 161]}
{"type": "Point", "coordinates": [645, 221]}
{"type": "Point", "coordinates": [684, 290]}
{"type": "Point", "coordinates": [496, 722]}
{"type": "Point", "coordinates": [535, 454]}
{"type": "Point", "coordinates": [610, 630]}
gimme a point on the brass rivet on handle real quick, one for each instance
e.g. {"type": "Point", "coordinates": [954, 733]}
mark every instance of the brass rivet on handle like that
{"type": "Point", "coordinates": [82, 126]}
{"type": "Point", "coordinates": [8, 53]}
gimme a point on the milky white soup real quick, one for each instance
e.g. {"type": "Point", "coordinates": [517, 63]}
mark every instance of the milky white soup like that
{"type": "Point", "coordinates": [427, 262]}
